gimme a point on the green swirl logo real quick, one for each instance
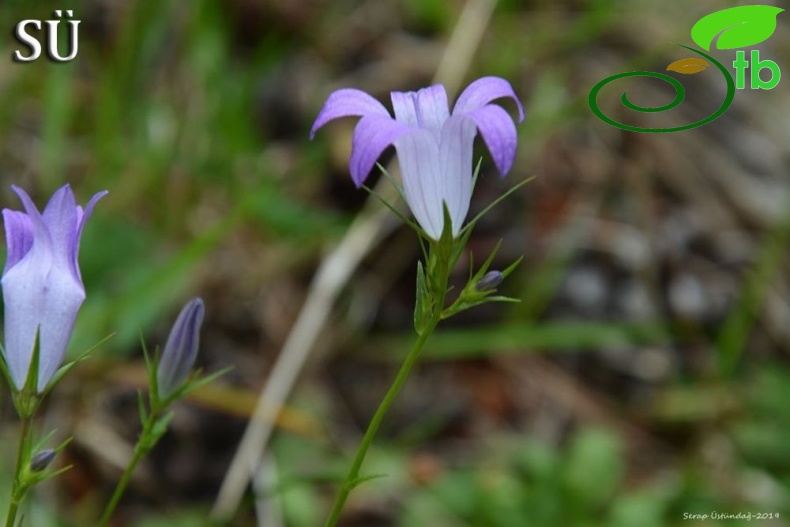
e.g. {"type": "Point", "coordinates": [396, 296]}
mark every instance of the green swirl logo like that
{"type": "Point", "coordinates": [731, 28]}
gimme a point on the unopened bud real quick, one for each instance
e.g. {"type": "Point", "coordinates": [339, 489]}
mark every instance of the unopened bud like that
{"type": "Point", "coordinates": [42, 459]}
{"type": "Point", "coordinates": [490, 281]}
{"type": "Point", "coordinates": [181, 349]}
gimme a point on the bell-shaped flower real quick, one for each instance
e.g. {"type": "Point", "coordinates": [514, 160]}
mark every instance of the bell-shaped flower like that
{"type": "Point", "coordinates": [181, 349]}
{"type": "Point", "coordinates": [42, 285]}
{"type": "Point", "coordinates": [434, 146]}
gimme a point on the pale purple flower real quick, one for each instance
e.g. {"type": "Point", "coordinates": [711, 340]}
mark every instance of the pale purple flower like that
{"type": "Point", "coordinates": [42, 285]}
{"type": "Point", "coordinates": [181, 349]}
{"type": "Point", "coordinates": [434, 147]}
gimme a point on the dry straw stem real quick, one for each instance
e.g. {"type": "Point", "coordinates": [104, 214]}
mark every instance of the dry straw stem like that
{"type": "Point", "coordinates": [331, 277]}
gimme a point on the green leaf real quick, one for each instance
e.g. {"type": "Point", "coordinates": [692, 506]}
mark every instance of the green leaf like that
{"type": "Point", "coordinates": [141, 408]}
{"type": "Point", "coordinates": [193, 382]}
{"type": "Point", "coordinates": [421, 302]}
{"type": "Point", "coordinates": [159, 429]}
{"type": "Point", "coordinates": [593, 467]}
{"type": "Point", "coordinates": [364, 479]}
{"type": "Point", "coordinates": [736, 27]}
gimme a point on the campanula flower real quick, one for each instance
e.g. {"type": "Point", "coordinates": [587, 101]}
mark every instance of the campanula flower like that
{"type": "Point", "coordinates": [42, 285]}
{"type": "Point", "coordinates": [181, 349]}
{"type": "Point", "coordinates": [434, 146]}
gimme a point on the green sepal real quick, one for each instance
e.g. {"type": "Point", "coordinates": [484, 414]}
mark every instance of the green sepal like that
{"type": "Point", "coordinates": [4, 369]}
{"type": "Point", "coordinates": [141, 407]}
{"type": "Point", "coordinates": [192, 383]}
{"type": "Point", "coordinates": [67, 367]}
{"type": "Point", "coordinates": [29, 478]}
{"type": "Point", "coordinates": [152, 432]}
{"type": "Point", "coordinates": [160, 427]}
{"type": "Point", "coordinates": [31, 382]}
{"type": "Point", "coordinates": [476, 173]}
{"type": "Point", "coordinates": [470, 225]}
{"type": "Point", "coordinates": [395, 211]}
{"type": "Point", "coordinates": [446, 239]}
{"type": "Point", "coordinates": [422, 304]}
{"type": "Point", "coordinates": [156, 402]}
{"type": "Point", "coordinates": [27, 400]}
{"type": "Point", "coordinates": [470, 296]}
{"type": "Point", "coordinates": [395, 183]}
{"type": "Point", "coordinates": [440, 257]}
{"type": "Point", "coordinates": [151, 367]}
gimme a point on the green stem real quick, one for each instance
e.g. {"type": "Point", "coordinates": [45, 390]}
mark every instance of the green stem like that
{"type": "Point", "coordinates": [143, 446]}
{"type": "Point", "coordinates": [18, 489]}
{"type": "Point", "coordinates": [352, 478]}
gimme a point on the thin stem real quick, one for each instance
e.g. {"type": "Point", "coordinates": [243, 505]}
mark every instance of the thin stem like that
{"type": "Point", "coordinates": [143, 446]}
{"type": "Point", "coordinates": [352, 478]}
{"type": "Point", "coordinates": [18, 490]}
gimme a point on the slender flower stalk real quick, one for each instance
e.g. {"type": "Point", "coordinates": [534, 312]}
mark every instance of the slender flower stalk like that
{"type": "Point", "coordinates": [434, 148]}
{"type": "Point", "coordinates": [148, 438]}
{"type": "Point", "coordinates": [353, 478]}
{"type": "Point", "coordinates": [18, 488]}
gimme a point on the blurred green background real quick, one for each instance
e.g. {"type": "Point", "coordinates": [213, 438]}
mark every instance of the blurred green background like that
{"type": "Point", "coordinates": [643, 378]}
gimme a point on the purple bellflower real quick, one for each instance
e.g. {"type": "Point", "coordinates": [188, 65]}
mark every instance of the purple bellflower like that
{"type": "Point", "coordinates": [181, 349]}
{"type": "Point", "coordinates": [42, 285]}
{"type": "Point", "coordinates": [434, 146]}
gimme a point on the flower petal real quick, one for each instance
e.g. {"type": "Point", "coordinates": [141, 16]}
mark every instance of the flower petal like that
{"type": "Point", "coordinates": [483, 91]}
{"type": "Point", "coordinates": [435, 174]}
{"type": "Point", "coordinates": [418, 157]}
{"type": "Point", "coordinates": [23, 303]}
{"type": "Point", "coordinates": [63, 296]}
{"type": "Point", "coordinates": [82, 218]}
{"type": "Point", "coordinates": [40, 231]}
{"type": "Point", "coordinates": [455, 152]}
{"type": "Point", "coordinates": [18, 235]}
{"type": "Point", "coordinates": [499, 133]}
{"type": "Point", "coordinates": [372, 135]}
{"type": "Point", "coordinates": [426, 108]}
{"type": "Point", "coordinates": [60, 216]}
{"type": "Point", "coordinates": [347, 102]}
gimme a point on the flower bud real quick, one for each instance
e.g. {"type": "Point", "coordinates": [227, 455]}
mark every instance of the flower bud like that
{"type": "Point", "coordinates": [181, 349]}
{"type": "Point", "coordinates": [42, 459]}
{"type": "Point", "coordinates": [490, 281]}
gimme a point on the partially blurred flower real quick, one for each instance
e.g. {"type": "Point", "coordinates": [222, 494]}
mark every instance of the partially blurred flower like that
{"type": "Point", "coordinates": [42, 285]}
{"type": "Point", "coordinates": [434, 147]}
{"type": "Point", "coordinates": [181, 349]}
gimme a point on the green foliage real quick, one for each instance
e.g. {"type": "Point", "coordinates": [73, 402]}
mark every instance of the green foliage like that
{"type": "Point", "coordinates": [761, 435]}
{"type": "Point", "coordinates": [529, 484]}
{"type": "Point", "coordinates": [594, 469]}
